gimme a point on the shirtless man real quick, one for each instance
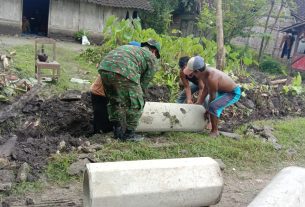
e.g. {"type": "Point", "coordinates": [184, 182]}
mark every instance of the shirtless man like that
{"type": "Point", "coordinates": [223, 91]}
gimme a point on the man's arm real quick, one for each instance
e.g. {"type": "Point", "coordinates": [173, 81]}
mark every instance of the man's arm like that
{"type": "Point", "coordinates": [187, 88]}
{"type": "Point", "coordinates": [213, 88]}
{"type": "Point", "coordinates": [202, 92]}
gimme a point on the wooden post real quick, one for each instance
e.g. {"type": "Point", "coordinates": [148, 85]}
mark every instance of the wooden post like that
{"type": "Point", "coordinates": [220, 39]}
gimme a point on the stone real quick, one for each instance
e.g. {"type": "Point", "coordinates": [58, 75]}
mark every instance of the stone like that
{"type": "Point", "coordinates": [6, 179]}
{"type": "Point", "coordinates": [61, 145]}
{"type": "Point", "coordinates": [78, 167]}
{"type": "Point", "coordinates": [4, 163]}
{"type": "Point", "coordinates": [29, 201]}
{"type": "Point", "coordinates": [7, 148]}
{"type": "Point", "coordinates": [277, 146]}
{"type": "Point", "coordinates": [71, 95]}
{"type": "Point", "coordinates": [240, 105]}
{"type": "Point", "coordinates": [23, 172]}
{"type": "Point", "coordinates": [5, 204]}
{"type": "Point", "coordinates": [256, 128]}
{"type": "Point", "coordinates": [249, 104]}
{"type": "Point", "coordinates": [291, 153]}
{"type": "Point", "coordinates": [90, 157]}
{"type": "Point", "coordinates": [230, 135]}
{"type": "Point", "coordinates": [88, 149]}
{"type": "Point", "coordinates": [86, 143]}
{"type": "Point", "coordinates": [267, 133]}
{"type": "Point", "coordinates": [221, 164]}
{"type": "Point", "coordinates": [6, 176]}
{"type": "Point", "coordinates": [184, 152]}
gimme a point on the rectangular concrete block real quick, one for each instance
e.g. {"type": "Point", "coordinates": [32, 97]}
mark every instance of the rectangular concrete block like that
{"type": "Point", "coordinates": [185, 182]}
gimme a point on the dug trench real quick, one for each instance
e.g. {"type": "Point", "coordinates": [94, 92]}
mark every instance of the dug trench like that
{"type": "Point", "coordinates": [41, 124]}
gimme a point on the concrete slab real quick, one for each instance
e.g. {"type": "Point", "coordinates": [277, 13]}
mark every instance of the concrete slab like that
{"type": "Point", "coordinates": [185, 182]}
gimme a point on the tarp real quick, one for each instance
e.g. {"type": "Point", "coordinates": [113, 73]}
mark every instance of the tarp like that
{"type": "Point", "coordinates": [299, 63]}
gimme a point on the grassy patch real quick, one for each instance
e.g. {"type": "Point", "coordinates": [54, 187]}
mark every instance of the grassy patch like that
{"type": "Point", "coordinates": [290, 134]}
{"type": "Point", "coordinates": [72, 66]}
{"type": "Point", "coordinates": [25, 187]}
{"type": "Point", "coordinates": [245, 153]}
{"type": "Point", "coordinates": [57, 169]}
{"type": "Point", "coordinates": [249, 153]}
{"type": "Point", "coordinates": [22, 188]}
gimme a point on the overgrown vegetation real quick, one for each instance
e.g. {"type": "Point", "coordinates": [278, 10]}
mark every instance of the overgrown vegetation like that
{"type": "Point", "coordinates": [272, 66]}
{"type": "Point", "coordinates": [295, 88]}
{"type": "Point", "coordinates": [172, 48]}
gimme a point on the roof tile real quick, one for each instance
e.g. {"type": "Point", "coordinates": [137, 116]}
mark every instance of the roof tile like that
{"type": "Point", "coordinates": [134, 4]}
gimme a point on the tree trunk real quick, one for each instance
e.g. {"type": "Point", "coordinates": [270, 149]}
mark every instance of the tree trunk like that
{"type": "Point", "coordinates": [220, 40]}
{"type": "Point", "coordinates": [265, 29]}
{"type": "Point", "coordinates": [275, 22]}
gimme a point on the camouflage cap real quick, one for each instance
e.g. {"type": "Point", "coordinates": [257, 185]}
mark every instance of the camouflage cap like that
{"type": "Point", "coordinates": [153, 43]}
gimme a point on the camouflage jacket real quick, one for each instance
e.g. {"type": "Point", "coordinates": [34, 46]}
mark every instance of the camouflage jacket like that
{"type": "Point", "coordinates": [137, 64]}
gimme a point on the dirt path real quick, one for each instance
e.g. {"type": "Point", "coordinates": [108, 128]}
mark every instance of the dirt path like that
{"type": "Point", "coordinates": [239, 190]}
{"type": "Point", "coordinates": [12, 41]}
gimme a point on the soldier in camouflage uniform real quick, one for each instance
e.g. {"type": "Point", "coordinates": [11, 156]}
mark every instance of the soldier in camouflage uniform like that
{"type": "Point", "coordinates": [126, 72]}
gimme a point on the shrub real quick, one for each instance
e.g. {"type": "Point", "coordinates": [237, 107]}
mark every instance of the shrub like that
{"type": "Point", "coordinates": [272, 66]}
{"type": "Point", "coordinates": [78, 35]}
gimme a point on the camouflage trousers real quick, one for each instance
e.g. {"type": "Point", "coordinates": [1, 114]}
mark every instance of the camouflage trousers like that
{"type": "Point", "coordinates": [125, 99]}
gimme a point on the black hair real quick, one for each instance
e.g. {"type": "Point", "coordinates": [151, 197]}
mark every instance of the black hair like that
{"type": "Point", "coordinates": [183, 61]}
{"type": "Point", "coordinates": [202, 69]}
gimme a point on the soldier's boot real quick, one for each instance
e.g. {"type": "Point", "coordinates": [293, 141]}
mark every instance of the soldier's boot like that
{"type": "Point", "coordinates": [130, 135]}
{"type": "Point", "coordinates": [118, 132]}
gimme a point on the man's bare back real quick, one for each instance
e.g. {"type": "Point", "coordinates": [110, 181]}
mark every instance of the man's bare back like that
{"type": "Point", "coordinates": [218, 80]}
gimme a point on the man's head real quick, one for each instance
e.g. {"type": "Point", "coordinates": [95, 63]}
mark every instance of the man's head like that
{"type": "Point", "coordinates": [153, 46]}
{"type": "Point", "coordinates": [194, 64]}
{"type": "Point", "coordinates": [183, 62]}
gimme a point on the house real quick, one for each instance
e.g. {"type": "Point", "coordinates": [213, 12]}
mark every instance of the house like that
{"type": "Point", "coordinates": [64, 17]}
{"type": "Point", "coordinates": [185, 18]}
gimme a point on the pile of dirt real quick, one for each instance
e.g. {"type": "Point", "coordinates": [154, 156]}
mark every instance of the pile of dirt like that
{"type": "Point", "coordinates": [266, 101]}
{"type": "Point", "coordinates": [43, 124]}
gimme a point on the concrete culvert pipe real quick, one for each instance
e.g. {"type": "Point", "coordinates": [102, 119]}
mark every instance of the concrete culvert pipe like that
{"type": "Point", "coordinates": [287, 189]}
{"type": "Point", "coordinates": [171, 117]}
{"type": "Point", "coordinates": [195, 182]}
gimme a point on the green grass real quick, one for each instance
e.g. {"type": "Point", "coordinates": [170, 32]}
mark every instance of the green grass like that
{"type": "Point", "coordinates": [57, 169]}
{"type": "Point", "coordinates": [72, 66]}
{"type": "Point", "coordinates": [248, 153]}
{"type": "Point", "coordinates": [22, 188]}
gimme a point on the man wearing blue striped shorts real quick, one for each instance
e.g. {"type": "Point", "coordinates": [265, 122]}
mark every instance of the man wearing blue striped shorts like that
{"type": "Point", "coordinates": [223, 91]}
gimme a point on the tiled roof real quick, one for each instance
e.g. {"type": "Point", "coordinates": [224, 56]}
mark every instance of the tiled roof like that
{"type": "Point", "coordinates": [133, 4]}
{"type": "Point", "coordinates": [301, 8]}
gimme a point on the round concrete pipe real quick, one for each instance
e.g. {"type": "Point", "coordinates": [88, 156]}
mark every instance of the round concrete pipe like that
{"type": "Point", "coordinates": [171, 117]}
{"type": "Point", "coordinates": [287, 189]}
{"type": "Point", "coordinates": [182, 182]}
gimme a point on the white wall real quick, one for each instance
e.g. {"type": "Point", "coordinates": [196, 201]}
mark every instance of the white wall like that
{"type": "Point", "coordinates": [11, 10]}
{"type": "Point", "coordinates": [64, 14]}
{"type": "Point", "coordinates": [74, 15]}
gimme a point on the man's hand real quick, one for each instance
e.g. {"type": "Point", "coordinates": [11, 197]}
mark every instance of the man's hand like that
{"type": "Point", "coordinates": [189, 101]}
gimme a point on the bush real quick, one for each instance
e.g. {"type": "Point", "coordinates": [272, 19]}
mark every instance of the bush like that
{"type": "Point", "coordinates": [119, 32]}
{"type": "Point", "coordinates": [272, 66]}
{"type": "Point", "coordinates": [78, 35]}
